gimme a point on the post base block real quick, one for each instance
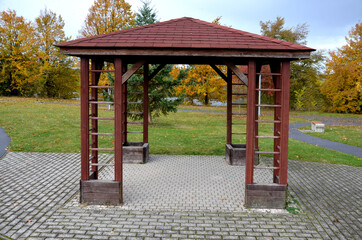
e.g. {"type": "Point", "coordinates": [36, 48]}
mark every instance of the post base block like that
{"type": "Point", "coordinates": [266, 196]}
{"type": "Point", "coordinates": [100, 192]}
{"type": "Point", "coordinates": [236, 154]}
{"type": "Point", "coordinates": [135, 152]}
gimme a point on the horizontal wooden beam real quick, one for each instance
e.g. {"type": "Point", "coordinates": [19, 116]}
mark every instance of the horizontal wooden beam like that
{"type": "Point", "coordinates": [221, 74]}
{"type": "Point", "coordinates": [157, 70]}
{"type": "Point", "coordinates": [237, 72]}
{"type": "Point", "coordinates": [205, 54]}
{"type": "Point", "coordinates": [132, 70]}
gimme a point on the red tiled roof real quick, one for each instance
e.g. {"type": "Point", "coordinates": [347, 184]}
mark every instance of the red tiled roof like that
{"type": "Point", "coordinates": [184, 33]}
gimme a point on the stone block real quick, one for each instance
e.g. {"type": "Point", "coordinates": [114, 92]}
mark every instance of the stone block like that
{"type": "Point", "coordinates": [100, 192]}
{"type": "Point", "coordinates": [135, 152]}
{"type": "Point", "coordinates": [236, 155]}
{"type": "Point", "coordinates": [266, 196]}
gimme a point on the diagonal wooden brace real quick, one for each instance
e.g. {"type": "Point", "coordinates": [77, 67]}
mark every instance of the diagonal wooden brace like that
{"type": "Point", "coordinates": [132, 70]}
{"type": "Point", "coordinates": [219, 72]}
{"type": "Point", "coordinates": [157, 70]}
{"type": "Point", "coordinates": [237, 72]}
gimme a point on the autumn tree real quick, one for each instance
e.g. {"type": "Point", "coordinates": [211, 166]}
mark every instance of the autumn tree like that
{"type": "Point", "coordinates": [305, 74]}
{"type": "Point", "coordinates": [17, 55]}
{"type": "Point", "coordinates": [343, 86]}
{"type": "Point", "coordinates": [57, 76]}
{"type": "Point", "coordinates": [108, 16]}
{"type": "Point", "coordinates": [200, 83]}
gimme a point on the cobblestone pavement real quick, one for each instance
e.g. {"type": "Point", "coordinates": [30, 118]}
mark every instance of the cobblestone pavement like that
{"type": "Point", "coordinates": [39, 194]}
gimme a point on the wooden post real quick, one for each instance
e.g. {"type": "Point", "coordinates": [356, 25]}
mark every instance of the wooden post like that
{"type": "Point", "coordinates": [145, 102]}
{"type": "Point", "coordinates": [250, 125]}
{"type": "Point", "coordinates": [118, 131]}
{"type": "Point", "coordinates": [84, 117]}
{"type": "Point", "coordinates": [229, 107]}
{"type": "Point", "coordinates": [275, 68]}
{"type": "Point", "coordinates": [284, 128]}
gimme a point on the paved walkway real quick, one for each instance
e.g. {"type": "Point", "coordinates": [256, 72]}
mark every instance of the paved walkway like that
{"type": "Point", "coordinates": [164, 197]}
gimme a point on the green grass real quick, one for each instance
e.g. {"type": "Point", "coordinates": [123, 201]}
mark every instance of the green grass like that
{"type": "Point", "coordinates": [350, 135]}
{"type": "Point", "coordinates": [37, 127]}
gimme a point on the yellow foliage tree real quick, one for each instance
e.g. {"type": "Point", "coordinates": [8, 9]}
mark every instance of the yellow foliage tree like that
{"type": "Point", "coordinates": [108, 16]}
{"type": "Point", "coordinates": [17, 54]}
{"type": "Point", "coordinates": [343, 87]}
{"type": "Point", "coordinates": [201, 83]}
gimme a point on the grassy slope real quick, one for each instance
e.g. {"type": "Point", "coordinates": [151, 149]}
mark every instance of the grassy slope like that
{"type": "Point", "coordinates": [36, 127]}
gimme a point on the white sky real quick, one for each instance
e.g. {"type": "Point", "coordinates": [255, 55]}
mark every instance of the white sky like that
{"type": "Point", "coordinates": [329, 20]}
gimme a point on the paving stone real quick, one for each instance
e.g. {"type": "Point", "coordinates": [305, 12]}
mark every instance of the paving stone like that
{"type": "Point", "coordinates": [185, 204]}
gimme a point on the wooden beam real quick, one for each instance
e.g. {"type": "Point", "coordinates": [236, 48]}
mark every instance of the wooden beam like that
{"type": "Point", "coordinates": [84, 114]}
{"type": "Point", "coordinates": [132, 70]}
{"type": "Point", "coordinates": [118, 115]}
{"type": "Point", "coordinates": [284, 128]}
{"type": "Point", "coordinates": [157, 70]}
{"type": "Point", "coordinates": [145, 102]}
{"type": "Point", "coordinates": [221, 74]}
{"type": "Point", "coordinates": [250, 125]}
{"type": "Point", "coordinates": [237, 72]}
{"type": "Point", "coordinates": [229, 107]}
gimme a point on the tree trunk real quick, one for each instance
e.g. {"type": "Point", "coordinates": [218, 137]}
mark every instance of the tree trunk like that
{"type": "Point", "coordinates": [207, 99]}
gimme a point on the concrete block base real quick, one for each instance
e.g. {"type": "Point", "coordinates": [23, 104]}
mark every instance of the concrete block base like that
{"type": "Point", "coordinates": [135, 152]}
{"type": "Point", "coordinates": [100, 192]}
{"type": "Point", "coordinates": [236, 155]}
{"type": "Point", "coordinates": [265, 196]}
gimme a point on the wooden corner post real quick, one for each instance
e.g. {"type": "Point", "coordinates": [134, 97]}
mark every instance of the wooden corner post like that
{"type": "Point", "coordinates": [229, 107]}
{"type": "Point", "coordinates": [84, 117]}
{"type": "Point", "coordinates": [118, 131]}
{"type": "Point", "coordinates": [250, 125]}
{"type": "Point", "coordinates": [145, 102]}
{"type": "Point", "coordinates": [284, 128]}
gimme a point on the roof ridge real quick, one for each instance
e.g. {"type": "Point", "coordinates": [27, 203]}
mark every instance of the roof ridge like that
{"type": "Point", "coordinates": [249, 34]}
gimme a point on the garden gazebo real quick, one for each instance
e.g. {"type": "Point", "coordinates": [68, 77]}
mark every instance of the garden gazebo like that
{"type": "Point", "coordinates": [184, 41]}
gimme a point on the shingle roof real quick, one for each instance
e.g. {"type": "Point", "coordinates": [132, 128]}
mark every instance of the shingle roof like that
{"type": "Point", "coordinates": [184, 33]}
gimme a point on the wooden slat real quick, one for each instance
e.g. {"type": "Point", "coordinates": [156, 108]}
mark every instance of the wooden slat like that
{"type": "Point", "coordinates": [237, 72]}
{"type": "Point", "coordinates": [100, 102]}
{"type": "Point", "coordinates": [101, 149]}
{"type": "Point", "coordinates": [238, 123]}
{"type": "Point", "coordinates": [238, 133]}
{"type": "Point", "coordinates": [261, 167]}
{"type": "Point", "coordinates": [132, 70]}
{"type": "Point", "coordinates": [240, 94]}
{"type": "Point", "coordinates": [100, 71]}
{"type": "Point", "coordinates": [267, 121]}
{"type": "Point", "coordinates": [135, 102]}
{"type": "Point", "coordinates": [139, 93]}
{"type": "Point", "coordinates": [239, 84]}
{"type": "Point", "coordinates": [268, 90]}
{"type": "Point", "coordinates": [267, 105]}
{"type": "Point", "coordinates": [103, 134]}
{"type": "Point", "coordinates": [265, 152]}
{"type": "Point", "coordinates": [102, 118]}
{"type": "Point", "coordinates": [269, 74]}
{"type": "Point", "coordinates": [93, 86]}
{"type": "Point", "coordinates": [239, 114]}
{"type": "Point", "coordinates": [102, 164]}
{"type": "Point", "coordinates": [134, 132]}
{"type": "Point", "coordinates": [135, 112]}
{"type": "Point", "coordinates": [239, 104]}
{"type": "Point", "coordinates": [267, 137]}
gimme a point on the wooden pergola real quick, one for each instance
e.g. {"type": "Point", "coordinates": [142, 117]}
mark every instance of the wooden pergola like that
{"type": "Point", "coordinates": [183, 41]}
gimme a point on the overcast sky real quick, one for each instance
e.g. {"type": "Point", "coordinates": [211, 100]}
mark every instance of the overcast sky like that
{"type": "Point", "coordinates": [329, 20]}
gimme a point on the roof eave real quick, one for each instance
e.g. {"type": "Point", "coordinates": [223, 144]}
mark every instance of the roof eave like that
{"type": "Point", "coordinates": [187, 52]}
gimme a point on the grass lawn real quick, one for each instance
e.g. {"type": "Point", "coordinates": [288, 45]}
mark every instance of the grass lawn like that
{"type": "Point", "coordinates": [39, 127]}
{"type": "Point", "coordinates": [350, 135]}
